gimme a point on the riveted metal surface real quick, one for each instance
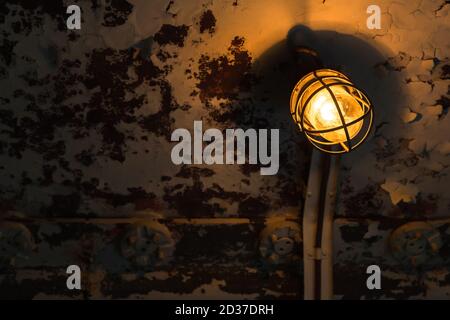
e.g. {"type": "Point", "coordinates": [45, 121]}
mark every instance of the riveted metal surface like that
{"type": "Point", "coordinates": [86, 119]}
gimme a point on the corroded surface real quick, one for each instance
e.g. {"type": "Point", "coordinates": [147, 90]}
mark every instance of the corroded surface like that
{"type": "Point", "coordinates": [86, 118]}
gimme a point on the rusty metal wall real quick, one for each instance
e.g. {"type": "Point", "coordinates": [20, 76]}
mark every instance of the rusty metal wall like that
{"type": "Point", "coordinates": [85, 170]}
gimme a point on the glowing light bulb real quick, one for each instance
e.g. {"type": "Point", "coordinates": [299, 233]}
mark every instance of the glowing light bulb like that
{"type": "Point", "coordinates": [324, 115]}
{"type": "Point", "coordinates": [334, 114]}
{"type": "Point", "coordinates": [324, 109]}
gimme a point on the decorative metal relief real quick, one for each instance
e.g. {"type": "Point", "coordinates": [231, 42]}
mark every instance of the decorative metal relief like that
{"type": "Point", "coordinates": [16, 242]}
{"type": "Point", "coordinates": [280, 242]}
{"type": "Point", "coordinates": [416, 245]}
{"type": "Point", "coordinates": [148, 244]}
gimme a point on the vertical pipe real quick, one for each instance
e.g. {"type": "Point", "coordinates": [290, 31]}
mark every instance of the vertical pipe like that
{"type": "Point", "coordinates": [327, 231]}
{"type": "Point", "coordinates": [310, 216]}
{"type": "Point", "coordinates": [308, 60]}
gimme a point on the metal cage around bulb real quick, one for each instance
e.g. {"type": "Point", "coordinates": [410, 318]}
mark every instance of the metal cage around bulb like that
{"type": "Point", "coordinates": [335, 116]}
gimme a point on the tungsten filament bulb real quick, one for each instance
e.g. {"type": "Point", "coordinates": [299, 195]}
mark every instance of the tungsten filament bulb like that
{"type": "Point", "coordinates": [334, 115]}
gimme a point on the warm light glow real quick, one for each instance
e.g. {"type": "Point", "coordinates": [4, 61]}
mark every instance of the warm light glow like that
{"type": "Point", "coordinates": [323, 114]}
{"type": "Point", "coordinates": [334, 114]}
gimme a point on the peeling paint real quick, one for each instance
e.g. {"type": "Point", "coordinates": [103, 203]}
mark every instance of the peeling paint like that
{"type": "Point", "coordinates": [85, 125]}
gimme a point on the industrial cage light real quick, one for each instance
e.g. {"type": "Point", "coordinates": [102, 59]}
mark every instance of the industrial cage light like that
{"type": "Point", "coordinates": [334, 114]}
{"type": "Point", "coordinates": [336, 117]}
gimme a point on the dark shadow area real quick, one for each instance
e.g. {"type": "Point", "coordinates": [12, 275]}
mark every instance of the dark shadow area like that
{"type": "Point", "coordinates": [280, 69]}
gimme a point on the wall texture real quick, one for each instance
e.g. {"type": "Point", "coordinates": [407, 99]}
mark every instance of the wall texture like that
{"type": "Point", "coordinates": [85, 170]}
